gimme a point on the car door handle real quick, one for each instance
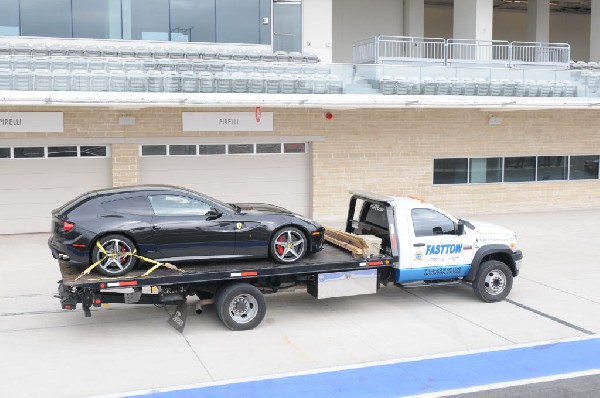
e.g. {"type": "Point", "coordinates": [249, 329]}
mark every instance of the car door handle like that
{"type": "Point", "coordinates": [419, 244]}
{"type": "Point", "coordinates": [156, 227]}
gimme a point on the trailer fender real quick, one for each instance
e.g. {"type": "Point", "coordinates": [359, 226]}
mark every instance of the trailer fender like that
{"type": "Point", "coordinates": [498, 252]}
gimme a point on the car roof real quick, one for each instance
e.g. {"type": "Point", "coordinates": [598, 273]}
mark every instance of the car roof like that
{"type": "Point", "coordinates": [138, 188]}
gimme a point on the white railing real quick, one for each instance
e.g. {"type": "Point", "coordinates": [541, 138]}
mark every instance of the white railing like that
{"type": "Point", "coordinates": [492, 52]}
{"type": "Point", "coordinates": [410, 49]}
{"type": "Point", "coordinates": [534, 53]}
{"type": "Point", "coordinates": [432, 51]}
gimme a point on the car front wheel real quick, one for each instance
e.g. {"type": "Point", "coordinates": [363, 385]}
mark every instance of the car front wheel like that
{"type": "Point", "coordinates": [114, 257]}
{"type": "Point", "coordinates": [288, 245]}
{"type": "Point", "coordinates": [493, 282]}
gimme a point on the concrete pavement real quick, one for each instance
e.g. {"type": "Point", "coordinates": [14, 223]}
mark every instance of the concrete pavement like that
{"type": "Point", "coordinates": [127, 348]}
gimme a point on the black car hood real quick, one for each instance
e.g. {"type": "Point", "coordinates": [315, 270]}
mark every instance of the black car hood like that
{"type": "Point", "coordinates": [262, 208]}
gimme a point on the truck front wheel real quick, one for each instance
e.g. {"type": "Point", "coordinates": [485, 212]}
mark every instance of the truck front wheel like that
{"type": "Point", "coordinates": [240, 306]}
{"type": "Point", "coordinates": [493, 282]}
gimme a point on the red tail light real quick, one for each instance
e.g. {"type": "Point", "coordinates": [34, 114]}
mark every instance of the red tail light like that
{"type": "Point", "coordinates": [67, 226]}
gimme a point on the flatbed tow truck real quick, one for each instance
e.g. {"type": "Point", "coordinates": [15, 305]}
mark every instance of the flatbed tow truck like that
{"type": "Point", "coordinates": [420, 246]}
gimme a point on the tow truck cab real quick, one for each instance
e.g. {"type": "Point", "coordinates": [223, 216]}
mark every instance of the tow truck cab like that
{"type": "Point", "coordinates": [430, 246]}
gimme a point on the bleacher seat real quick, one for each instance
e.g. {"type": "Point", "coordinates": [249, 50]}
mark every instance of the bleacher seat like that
{"type": "Point", "coordinates": [387, 85]}
{"type": "Point", "coordinates": [61, 80]}
{"type": "Point", "coordinates": [160, 53]}
{"type": "Point", "coordinates": [206, 83]}
{"type": "Point", "coordinates": [483, 87]}
{"type": "Point", "coordinates": [92, 51]}
{"type": "Point", "coordinates": [5, 49]}
{"type": "Point", "coordinates": [143, 52]}
{"type": "Point", "coordinates": [508, 88]}
{"type": "Point", "coordinates": [78, 64]}
{"type": "Point", "coordinates": [113, 64]}
{"type": "Point", "coordinates": [59, 63]}
{"type": "Point", "coordinates": [192, 53]}
{"type": "Point", "coordinates": [443, 86]}
{"type": "Point", "coordinates": [80, 81]}
{"type": "Point", "coordinates": [5, 79]}
{"type": "Point", "coordinates": [40, 63]}
{"type": "Point", "coordinates": [171, 82]}
{"type": "Point", "coordinates": [239, 82]}
{"type": "Point", "coordinates": [288, 83]}
{"type": "Point", "coordinates": [429, 86]}
{"type": "Point", "coordinates": [126, 52]}
{"type": "Point", "coordinates": [155, 81]}
{"type": "Point", "coordinates": [208, 54]}
{"type": "Point", "coordinates": [304, 84]}
{"type": "Point", "coordinates": [109, 51]}
{"type": "Point", "coordinates": [96, 64]}
{"type": "Point", "coordinates": [334, 84]}
{"type": "Point", "coordinates": [176, 53]}
{"type": "Point", "coordinates": [255, 82]}
{"type": "Point", "coordinates": [98, 80]}
{"type": "Point", "coordinates": [495, 88]}
{"type": "Point", "coordinates": [56, 50]}
{"type": "Point", "coordinates": [470, 86]}
{"type": "Point", "coordinates": [223, 82]}
{"type": "Point", "coordinates": [402, 86]}
{"type": "Point", "coordinates": [415, 86]}
{"type": "Point", "coordinates": [532, 88]}
{"type": "Point", "coordinates": [117, 81]}
{"type": "Point", "coordinates": [272, 83]}
{"type": "Point", "coordinates": [545, 90]}
{"type": "Point", "coordinates": [75, 50]}
{"type": "Point", "coordinates": [238, 54]}
{"type": "Point", "coordinates": [457, 86]}
{"type": "Point", "coordinates": [137, 81]}
{"type": "Point", "coordinates": [189, 82]}
{"type": "Point", "coordinates": [42, 80]}
{"type": "Point", "coordinates": [22, 80]}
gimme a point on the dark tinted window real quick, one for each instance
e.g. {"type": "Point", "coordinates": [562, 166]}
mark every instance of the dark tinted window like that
{"type": "Point", "coordinates": [584, 167]}
{"type": "Point", "coordinates": [426, 220]}
{"type": "Point", "coordinates": [268, 148]}
{"type": "Point", "coordinates": [139, 205]}
{"type": "Point", "coordinates": [450, 171]}
{"type": "Point", "coordinates": [241, 148]}
{"type": "Point", "coordinates": [154, 150]}
{"type": "Point", "coordinates": [174, 205]}
{"type": "Point", "coordinates": [211, 149]}
{"type": "Point", "coordinates": [51, 18]}
{"type": "Point", "coordinates": [97, 19]}
{"type": "Point", "coordinates": [485, 170]}
{"type": "Point", "coordinates": [374, 213]}
{"type": "Point", "coordinates": [93, 151]}
{"type": "Point", "coordinates": [193, 20]}
{"type": "Point", "coordinates": [294, 147]}
{"type": "Point", "coordinates": [551, 168]}
{"type": "Point", "coordinates": [182, 149]}
{"type": "Point", "coordinates": [517, 169]}
{"type": "Point", "coordinates": [62, 151]}
{"type": "Point", "coordinates": [29, 152]}
{"type": "Point", "coordinates": [9, 18]}
{"type": "Point", "coordinates": [4, 153]}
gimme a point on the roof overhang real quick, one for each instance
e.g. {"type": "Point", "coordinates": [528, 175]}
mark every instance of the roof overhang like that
{"type": "Point", "coordinates": [127, 100]}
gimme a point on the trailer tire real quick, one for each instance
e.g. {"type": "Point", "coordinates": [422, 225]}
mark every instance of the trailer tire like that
{"type": "Point", "coordinates": [493, 281]}
{"type": "Point", "coordinates": [240, 306]}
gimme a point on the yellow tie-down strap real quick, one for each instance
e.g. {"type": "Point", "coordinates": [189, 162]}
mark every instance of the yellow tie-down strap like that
{"type": "Point", "coordinates": [157, 264]}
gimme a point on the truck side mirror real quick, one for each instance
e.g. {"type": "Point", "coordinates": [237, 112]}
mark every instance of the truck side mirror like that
{"type": "Point", "coordinates": [460, 228]}
{"type": "Point", "coordinates": [213, 213]}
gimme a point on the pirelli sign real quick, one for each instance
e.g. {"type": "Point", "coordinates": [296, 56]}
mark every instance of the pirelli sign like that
{"type": "Point", "coordinates": [31, 122]}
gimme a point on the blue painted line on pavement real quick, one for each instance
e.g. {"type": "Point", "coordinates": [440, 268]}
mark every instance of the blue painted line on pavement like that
{"type": "Point", "coordinates": [416, 377]}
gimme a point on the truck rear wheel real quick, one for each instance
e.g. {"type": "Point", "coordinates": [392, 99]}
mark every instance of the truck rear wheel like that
{"type": "Point", "coordinates": [240, 306]}
{"type": "Point", "coordinates": [493, 281]}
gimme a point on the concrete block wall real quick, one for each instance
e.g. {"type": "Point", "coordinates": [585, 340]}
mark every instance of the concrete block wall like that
{"type": "Point", "coordinates": [389, 151]}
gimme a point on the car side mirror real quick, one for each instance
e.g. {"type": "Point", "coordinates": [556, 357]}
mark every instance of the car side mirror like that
{"type": "Point", "coordinates": [460, 227]}
{"type": "Point", "coordinates": [437, 231]}
{"type": "Point", "coordinates": [213, 213]}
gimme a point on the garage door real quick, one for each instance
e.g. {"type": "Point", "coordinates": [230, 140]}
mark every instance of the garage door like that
{"type": "Point", "coordinates": [35, 180]}
{"type": "Point", "coordinates": [270, 173]}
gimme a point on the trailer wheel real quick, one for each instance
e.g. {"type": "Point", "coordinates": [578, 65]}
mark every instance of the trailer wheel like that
{"type": "Point", "coordinates": [240, 306]}
{"type": "Point", "coordinates": [493, 281]}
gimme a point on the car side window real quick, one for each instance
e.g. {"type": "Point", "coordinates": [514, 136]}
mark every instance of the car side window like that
{"type": "Point", "coordinates": [174, 205]}
{"type": "Point", "coordinates": [427, 222]}
{"type": "Point", "coordinates": [138, 205]}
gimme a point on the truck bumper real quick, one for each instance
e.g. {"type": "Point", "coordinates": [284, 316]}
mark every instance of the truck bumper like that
{"type": "Point", "coordinates": [518, 259]}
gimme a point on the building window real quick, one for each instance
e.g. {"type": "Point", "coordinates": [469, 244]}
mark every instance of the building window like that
{"type": "Point", "coordinates": [97, 19]}
{"type": "Point", "coordinates": [4, 153]}
{"type": "Point", "coordinates": [9, 18]}
{"type": "Point", "coordinates": [182, 150]}
{"type": "Point", "coordinates": [193, 20]}
{"type": "Point", "coordinates": [62, 151]}
{"type": "Point", "coordinates": [268, 148]}
{"type": "Point", "coordinates": [551, 168]}
{"type": "Point", "coordinates": [92, 150]}
{"type": "Point", "coordinates": [584, 167]}
{"type": "Point", "coordinates": [211, 149]}
{"type": "Point", "coordinates": [450, 171]}
{"type": "Point", "coordinates": [239, 149]}
{"type": "Point", "coordinates": [146, 20]}
{"type": "Point", "coordinates": [485, 170]}
{"type": "Point", "coordinates": [50, 18]}
{"type": "Point", "coordinates": [29, 152]}
{"type": "Point", "coordinates": [519, 169]}
{"type": "Point", "coordinates": [294, 147]}
{"type": "Point", "coordinates": [154, 150]}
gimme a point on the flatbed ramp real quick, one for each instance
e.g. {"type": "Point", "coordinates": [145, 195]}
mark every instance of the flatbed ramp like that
{"type": "Point", "coordinates": [330, 259]}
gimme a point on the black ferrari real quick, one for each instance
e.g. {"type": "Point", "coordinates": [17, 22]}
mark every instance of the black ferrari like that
{"type": "Point", "coordinates": [172, 224]}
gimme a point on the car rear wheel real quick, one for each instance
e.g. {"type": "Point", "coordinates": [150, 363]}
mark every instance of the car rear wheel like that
{"type": "Point", "coordinates": [288, 245]}
{"type": "Point", "coordinates": [115, 258]}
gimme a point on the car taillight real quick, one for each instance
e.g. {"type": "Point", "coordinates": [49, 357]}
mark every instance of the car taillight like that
{"type": "Point", "coordinates": [67, 226]}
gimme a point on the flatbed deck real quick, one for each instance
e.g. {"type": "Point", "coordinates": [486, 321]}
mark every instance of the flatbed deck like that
{"type": "Point", "coordinates": [330, 259]}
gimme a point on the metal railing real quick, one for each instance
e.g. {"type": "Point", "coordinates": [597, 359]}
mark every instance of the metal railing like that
{"type": "Point", "coordinates": [432, 51]}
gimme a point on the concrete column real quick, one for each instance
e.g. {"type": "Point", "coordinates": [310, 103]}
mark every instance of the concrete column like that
{"type": "Point", "coordinates": [414, 18]}
{"type": "Point", "coordinates": [473, 19]}
{"type": "Point", "coordinates": [538, 21]}
{"type": "Point", "coordinates": [595, 32]}
{"type": "Point", "coordinates": [317, 28]}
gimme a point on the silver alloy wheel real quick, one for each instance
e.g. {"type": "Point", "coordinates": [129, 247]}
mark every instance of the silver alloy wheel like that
{"type": "Point", "coordinates": [495, 282]}
{"type": "Point", "coordinates": [243, 308]}
{"type": "Point", "coordinates": [289, 245]}
{"type": "Point", "coordinates": [116, 259]}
